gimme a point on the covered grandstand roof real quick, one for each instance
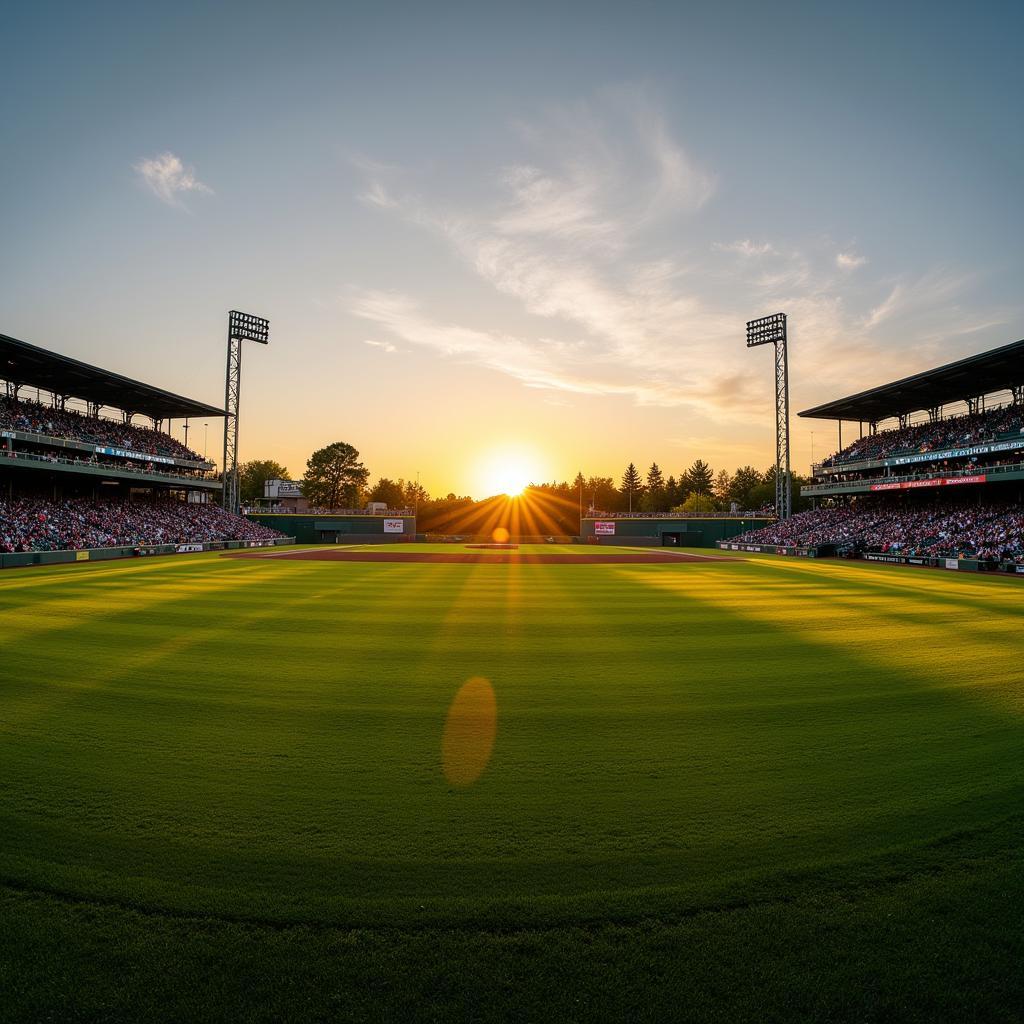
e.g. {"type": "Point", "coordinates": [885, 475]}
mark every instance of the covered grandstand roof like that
{"type": "Point", "coordinates": [28, 364]}
{"type": "Point", "coordinates": [996, 370]}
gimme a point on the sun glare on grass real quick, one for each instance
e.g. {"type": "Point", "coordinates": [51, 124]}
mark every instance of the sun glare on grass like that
{"type": "Point", "coordinates": [469, 732]}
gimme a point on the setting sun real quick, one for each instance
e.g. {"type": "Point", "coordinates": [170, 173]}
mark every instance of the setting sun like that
{"type": "Point", "coordinates": [507, 472]}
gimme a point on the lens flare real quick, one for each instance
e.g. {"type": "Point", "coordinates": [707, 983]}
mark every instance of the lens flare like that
{"type": "Point", "coordinates": [469, 732]}
{"type": "Point", "coordinates": [500, 535]}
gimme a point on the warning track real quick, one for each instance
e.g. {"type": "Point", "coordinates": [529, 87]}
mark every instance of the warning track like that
{"type": "Point", "coordinates": [485, 557]}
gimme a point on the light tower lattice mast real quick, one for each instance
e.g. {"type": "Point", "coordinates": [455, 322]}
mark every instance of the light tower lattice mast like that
{"type": "Point", "coordinates": [241, 327]}
{"type": "Point", "coordinates": [771, 330]}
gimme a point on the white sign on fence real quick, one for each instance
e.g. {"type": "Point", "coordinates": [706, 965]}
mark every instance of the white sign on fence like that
{"type": "Point", "coordinates": [394, 526]}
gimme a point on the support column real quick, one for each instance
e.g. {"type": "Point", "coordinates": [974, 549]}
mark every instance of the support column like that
{"type": "Point", "coordinates": [232, 400]}
{"type": "Point", "coordinates": [783, 477]}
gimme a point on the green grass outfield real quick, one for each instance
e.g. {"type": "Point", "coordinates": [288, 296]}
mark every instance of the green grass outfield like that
{"type": "Point", "coordinates": [761, 789]}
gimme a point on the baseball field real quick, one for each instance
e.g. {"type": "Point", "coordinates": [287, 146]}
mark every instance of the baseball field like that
{"type": "Point", "coordinates": [267, 789]}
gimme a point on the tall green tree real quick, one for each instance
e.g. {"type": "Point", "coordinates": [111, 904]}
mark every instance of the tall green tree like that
{"type": "Point", "coordinates": [335, 477]}
{"type": "Point", "coordinates": [415, 495]}
{"type": "Point", "coordinates": [600, 494]}
{"type": "Point", "coordinates": [579, 486]}
{"type": "Point", "coordinates": [698, 503]}
{"type": "Point", "coordinates": [745, 481]}
{"type": "Point", "coordinates": [722, 488]}
{"type": "Point", "coordinates": [389, 491]}
{"type": "Point", "coordinates": [698, 478]}
{"type": "Point", "coordinates": [654, 498]}
{"type": "Point", "coordinates": [632, 484]}
{"type": "Point", "coordinates": [254, 474]}
{"type": "Point", "coordinates": [672, 495]}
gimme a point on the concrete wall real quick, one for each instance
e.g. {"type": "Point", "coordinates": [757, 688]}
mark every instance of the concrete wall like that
{"type": "Point", "coordinates": [693, 531]}
{"type": "Point", "coordinates": [326, 529]}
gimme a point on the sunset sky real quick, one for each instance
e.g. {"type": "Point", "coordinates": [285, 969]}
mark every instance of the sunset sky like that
{"type": "Point", "coordinates": [523, 232]}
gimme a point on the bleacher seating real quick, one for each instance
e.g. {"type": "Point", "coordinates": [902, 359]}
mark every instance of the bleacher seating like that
{"type": "Point", "coordinates": [955, 432]}
{"type": "Point", "coordinates": [38, 524]}
{"type": "Point", "coordinates": [37, 418]}
{"type": "Point", "coordinates": [991, 531]}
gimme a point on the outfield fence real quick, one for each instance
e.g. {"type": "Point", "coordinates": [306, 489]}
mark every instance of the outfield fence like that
{"type": "Point", "coordinates": [830, 551]}
{"type": "Point", "coordinates": [20, 559]}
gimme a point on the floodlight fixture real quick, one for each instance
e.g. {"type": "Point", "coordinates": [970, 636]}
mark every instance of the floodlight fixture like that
{"type": "Point", "coordinates": [246, 327]}
{"type": "Point", "coordinates": [767, 330]}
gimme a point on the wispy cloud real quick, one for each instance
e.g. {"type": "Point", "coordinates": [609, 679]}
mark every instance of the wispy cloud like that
{"type": "Point", "coordinates": [542, 362]}
{"type": "Point", "coordinates": [384, 346]}
{"type": "Point", "coordinates": [850, 260]}
{"type": "Point", "coordinates": [377, 195]}
{"type": "Point", "coordinates": [934, 292]}
{"type": "Point", "coordinates": [562, 236]}
{"type": "Point", "coordinates": [574, 230]}
{"type": "Point", "coordinates": [169, 179]}
{"type": "Point", "coordinates": [746, 248]}
{"type": "Point", "coordinates": [886, 308]}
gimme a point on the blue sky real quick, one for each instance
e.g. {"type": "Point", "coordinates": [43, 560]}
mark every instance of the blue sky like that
{"type": "Point", "coordinates": [523, 230]}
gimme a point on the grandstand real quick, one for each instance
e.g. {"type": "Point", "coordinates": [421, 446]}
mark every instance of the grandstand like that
{"type": "Point", "coordinates": [937, 478]}
{"type": "Point", "coordinates": [79, 474]}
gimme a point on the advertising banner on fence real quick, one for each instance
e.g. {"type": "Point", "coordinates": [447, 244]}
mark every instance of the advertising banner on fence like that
{"type": "Point", "coordinates": [184, 549]}
{"type": "Point", "coordinates": [938, 481]}
{"type": "Point", "coordinates": [141, 456]}
{"type": "Point", "coordinates": [604, 529]}
{"type": "Point", "coordinates": [394, 526]}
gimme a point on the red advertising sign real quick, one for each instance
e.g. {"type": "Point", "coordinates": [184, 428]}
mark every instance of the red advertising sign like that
{"type": "Point", "coordinates": [939, 481]}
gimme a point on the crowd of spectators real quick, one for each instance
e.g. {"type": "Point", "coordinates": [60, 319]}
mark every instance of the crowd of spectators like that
{"type": "Point", "coordinates": [37, 524]}
{"type": "Point", "coordinates": [37, 418]}
{"type": "Point", "coordinates": [990, 532]}
{"type": "Point", "coordinates": [955, 432]}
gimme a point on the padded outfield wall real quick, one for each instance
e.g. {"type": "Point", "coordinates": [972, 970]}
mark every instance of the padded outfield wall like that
{"type": "Point", "coordinates": [309, 528]}
{"type": "Point", "coordinates": [669, 531]}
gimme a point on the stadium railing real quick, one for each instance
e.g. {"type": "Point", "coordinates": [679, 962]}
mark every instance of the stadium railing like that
{"type": "Point", "coordinates": [81, 444]}
{"type": "Point", "coordinates": [743, 514]}
{"type": "Point", "coordinates": [98, 467]}
{"type": "Point", "coordinates": [1002, 469]}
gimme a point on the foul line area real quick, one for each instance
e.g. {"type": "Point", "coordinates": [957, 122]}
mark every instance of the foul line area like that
{"type": "Point", "coordinates": [485, 557]}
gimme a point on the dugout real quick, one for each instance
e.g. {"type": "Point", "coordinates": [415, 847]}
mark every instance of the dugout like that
{"type": "Point", "coordinates": [341, 528]}
{"type": "Point", "coordinates": [667, 531]}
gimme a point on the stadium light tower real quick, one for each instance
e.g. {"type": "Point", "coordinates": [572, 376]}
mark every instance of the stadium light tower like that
{"type": "Point", "coordinates": [771, 330]}
{"type": "Point", "coordinates": [241, 327]}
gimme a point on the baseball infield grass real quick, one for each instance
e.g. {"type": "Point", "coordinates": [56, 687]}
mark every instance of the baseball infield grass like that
{"type": "Point", "coordinates": [758, 789]}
